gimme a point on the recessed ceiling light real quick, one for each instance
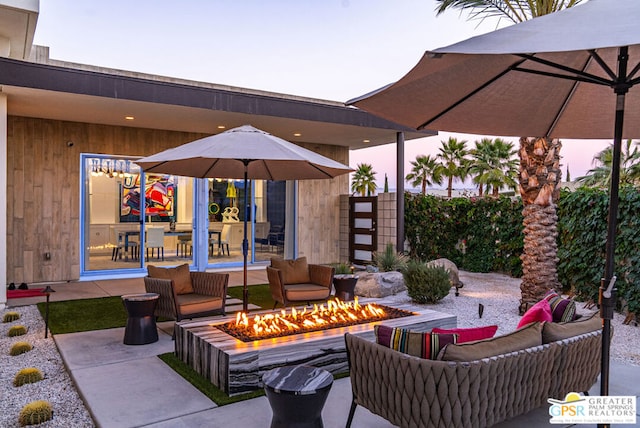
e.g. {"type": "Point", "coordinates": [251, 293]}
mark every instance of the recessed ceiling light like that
{"type": "Point", "coordinates": [366, 141]}
{"type": "Point", "coordinates": [129, 117]}
{"type": "Point", "coordinates": [222, 127]}
{"type": "Point", "coordinates": [297, 134]}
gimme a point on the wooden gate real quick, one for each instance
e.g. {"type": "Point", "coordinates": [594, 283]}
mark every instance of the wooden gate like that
{"type": "Point", "coordinates": [363, 232]}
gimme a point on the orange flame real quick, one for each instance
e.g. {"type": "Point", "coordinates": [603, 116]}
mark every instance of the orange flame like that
{"type": "Point", "coordinates": [335, 312]}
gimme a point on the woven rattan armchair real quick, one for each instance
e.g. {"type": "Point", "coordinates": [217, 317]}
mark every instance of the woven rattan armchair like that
{"type": "Point", "coordinates": [293, 281]}
{"type": "Point", "coordinates": [207, 295]}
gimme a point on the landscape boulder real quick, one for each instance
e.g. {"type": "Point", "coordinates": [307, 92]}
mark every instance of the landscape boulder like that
{"type": "Point", "coordinates": [452, 269]}
{"type": "Point", "coordinates": [381, 284]}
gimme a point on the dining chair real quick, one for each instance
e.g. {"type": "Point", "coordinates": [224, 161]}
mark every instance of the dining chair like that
{"type": "Point", "coordinates": [223, 242]}
{"type": "Point", "coordinates": [155, 239]}
{"type": "Point", "coordinates": [184, 246]}
{"type": "Point", "coordinates": [120, 245]}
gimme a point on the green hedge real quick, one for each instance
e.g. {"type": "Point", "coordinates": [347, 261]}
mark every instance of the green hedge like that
{"type": "Point", "coordinates": [582, 230]}
{"type": "Point", "coordinates": [477, 234]}
{"type": "Point", "coordinates": [485, 235]}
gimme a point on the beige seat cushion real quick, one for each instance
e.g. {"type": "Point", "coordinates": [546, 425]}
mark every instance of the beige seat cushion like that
{"type": "Point", "coordinates": [306, 292]}
{"type": "Point", "coordinates": [553, 331]}
{"type": "Point", "coordinates": [180, 276]}
{"type": "Point", "coordinates": [293, 271]}
{"type": "Point", "coordinates": [191, 304]}
{"type": "Point", "coordinates": [524, 338]}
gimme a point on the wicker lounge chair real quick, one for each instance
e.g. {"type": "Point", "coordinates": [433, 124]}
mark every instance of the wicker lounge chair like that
{"type": "Point", "coordinates": [185, 294]}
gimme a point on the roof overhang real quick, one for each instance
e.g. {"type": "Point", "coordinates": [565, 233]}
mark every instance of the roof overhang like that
{"type": "Point", "coordinates": [17, 27]}
{"type": "Point", "coordinates": [82, 94]}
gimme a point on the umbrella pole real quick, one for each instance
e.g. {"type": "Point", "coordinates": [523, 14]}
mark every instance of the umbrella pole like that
{"type": "Point", "coordinates": [245, 242]}
{"type": "Point", "coordinates": [608, 290]}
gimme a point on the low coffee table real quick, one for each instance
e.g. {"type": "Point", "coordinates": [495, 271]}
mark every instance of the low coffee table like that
{"type": "Point", "coordinates": [297, 395]}
{"type": "Point", "coordinates": [141, 324]}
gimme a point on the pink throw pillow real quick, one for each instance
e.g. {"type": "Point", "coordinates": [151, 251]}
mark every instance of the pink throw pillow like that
{"type": "Point", "coordinates": [469, 334]}
{"type": "Point", "coordinates": [540, 312]}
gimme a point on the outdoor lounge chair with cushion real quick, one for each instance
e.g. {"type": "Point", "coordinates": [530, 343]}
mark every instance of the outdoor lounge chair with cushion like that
{"type": "Point", "coordinates": [185, 294]}
{"type": "Point", "coordinates": [296, 281]}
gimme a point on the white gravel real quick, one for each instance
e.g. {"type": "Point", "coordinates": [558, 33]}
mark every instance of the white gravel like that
{"type": "Point", "coordinates": [498, 293]}
{"type": "Point", "coordinates": [56, 387]}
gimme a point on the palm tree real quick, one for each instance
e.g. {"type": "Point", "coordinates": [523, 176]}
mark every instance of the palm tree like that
{"type": "Point", "coordinates": [481, 164]}
{"type": "Point", "coordinates": [600, 176]}
{"type": "Point", "coordinates": [426, 171]}
{"type": "Point", "coordinates": [513, 10]}
{"type": "Point", "coordinates": [364, 180]}
{"type": "Point", "coordinates": [494, 165]}
{"type": "Point", "coordinates": [453, 155]}
{"type": "Point", "coordinates": [540, 172]}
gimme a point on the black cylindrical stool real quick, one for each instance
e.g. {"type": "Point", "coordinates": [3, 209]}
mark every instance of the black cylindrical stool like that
{"type": "Point", "coordinates": [297, 395]}
{"type": "Point", "coordinates": [141, 324]}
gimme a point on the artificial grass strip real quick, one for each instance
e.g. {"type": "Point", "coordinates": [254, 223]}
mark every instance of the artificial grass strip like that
{"type": "Point", "coordinates": [72, 316]}
{"type": "Point", "coordinates": [259, 295]}
{"type": "Point", "coordinates": [203, 385]}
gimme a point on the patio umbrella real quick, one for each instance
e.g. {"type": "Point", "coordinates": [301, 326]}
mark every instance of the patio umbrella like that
{"type": "Point", "coordinates": [569, 74]}
{"type": "Point", "coordinates": [243, 153]}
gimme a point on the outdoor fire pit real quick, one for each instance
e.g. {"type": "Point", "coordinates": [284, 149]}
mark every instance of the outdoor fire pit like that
{"type": "Point", "coordinates": [335, 314]}
{"type": "Point", "coordinates": [236, 366]}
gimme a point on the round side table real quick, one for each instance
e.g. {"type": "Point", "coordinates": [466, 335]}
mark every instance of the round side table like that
{"type": "Point", "coordinates": [345, 286]}
{"type": "Point", "coordinates": [297, 395]}
{"type": "Point", "coordinates": [141, 324]}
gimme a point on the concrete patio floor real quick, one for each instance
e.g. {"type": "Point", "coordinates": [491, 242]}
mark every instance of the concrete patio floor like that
{"type": "Point", "coordinates": [128, 386]}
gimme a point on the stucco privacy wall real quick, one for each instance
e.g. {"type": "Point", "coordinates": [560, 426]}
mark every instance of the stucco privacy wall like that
{"type": "Point", "coordinates": [43, 193]}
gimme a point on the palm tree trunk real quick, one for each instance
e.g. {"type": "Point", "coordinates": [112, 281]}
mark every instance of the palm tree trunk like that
{"type": "Point", "coordinates": [539, 257]}
{"type": "Point", "coordinates": [539, 187]}
{"type": "Point", "coordinates": [449, 186]}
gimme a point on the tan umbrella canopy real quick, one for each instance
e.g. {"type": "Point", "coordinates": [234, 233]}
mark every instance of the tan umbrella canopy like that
{"type": "Point", "coordinates": [569, 74]}
{"type": "Point", "coordinates": [557, 75]}
{"type": "Point", "coordinates": [223, 156]}
{"type": "Point", "coordinates": [243, 153]}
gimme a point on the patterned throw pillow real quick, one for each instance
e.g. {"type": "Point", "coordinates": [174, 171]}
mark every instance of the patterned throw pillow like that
{"type": "Point", "coordinates": [562, 310]}
{"type": "Point", "coordinates": [423, 345]}
{"type": "Point", "coordinates": [540, 312]}
{"type": "Point", "coordinates": [469, 334]}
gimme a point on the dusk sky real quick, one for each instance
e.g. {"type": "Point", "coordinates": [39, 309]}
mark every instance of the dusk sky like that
{"type": "Point", "coordinates": [330, 49]}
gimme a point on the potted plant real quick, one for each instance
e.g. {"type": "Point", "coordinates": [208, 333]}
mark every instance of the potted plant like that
{"type": "Point", "coordinates": [344, 281]}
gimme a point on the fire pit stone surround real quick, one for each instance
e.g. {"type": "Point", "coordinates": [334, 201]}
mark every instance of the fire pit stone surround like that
{"type": "Point", "coordinates": [237, 367]}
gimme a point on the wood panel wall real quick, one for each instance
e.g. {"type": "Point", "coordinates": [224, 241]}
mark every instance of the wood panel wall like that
{"type": "Point", "coordinates": [319, 210]}
{"type": "Point", "coordinates": [43, 193]}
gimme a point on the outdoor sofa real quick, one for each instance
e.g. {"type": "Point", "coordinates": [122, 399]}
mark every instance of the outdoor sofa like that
{"type": "Point", "coordinates": [475, 391]}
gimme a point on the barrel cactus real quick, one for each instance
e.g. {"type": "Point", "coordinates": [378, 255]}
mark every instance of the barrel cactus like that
{"type": "Point", "coordinates": [35, 413]}
{"type": "Point", "coordinates": [17, 330]}
{"type": "Point", "coordinates": [10, 316]}
{"type": "Point", "coordinates": [28, 375]}
{"type": "Point", "coordinates": [20, 348]}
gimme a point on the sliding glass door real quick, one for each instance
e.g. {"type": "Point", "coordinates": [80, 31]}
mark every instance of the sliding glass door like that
{"type": "Point", "coordinates": [129, 219]}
